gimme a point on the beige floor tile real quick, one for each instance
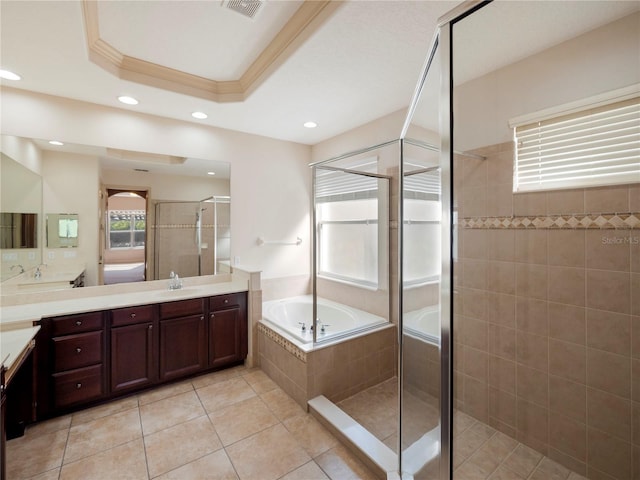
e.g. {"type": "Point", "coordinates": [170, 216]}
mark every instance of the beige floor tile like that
{"type": "Point", "coordinates": [101, 411]}
{"type": "Point", "coordinates": [523, 460]}
{"type": "Point", "coordinates": [242, 420]}
{"type": "Point", "coordinates": [503, 473]}
{"type": "Point", "coordinates": [30, 455]}
{"type": "Point", "coordinates": [308, 471]}
{"type": "Point", "coordinates": [178, 445]}
{"type": "Point", "coordinates": [122, 462]}
{"type": "Point", "coordinates": [547, 469]}
{"type": "Point", "coordinates": [170, 411]}
{"type": "Point", "coordinates": [259, 381]}
{"type": "Point", "coordinates": [469, 470]}
{"type": "Point", "coordinates": [340, 464]}
{"type": "Point", "coordinates": [49, 426]}
{"type": "Point", "coordinates": [310, 434]}
{"type": "Point", "coordinates": [223, 394]}
{"type": "Point", "coordinates": [281, 404]}
{"type": "Point", "coordinates": [267, 455]}
{"type": "Point", "coordinates": [101, 434]}
{"type": "Point", "coordinates": [48, 475]}
{"type": "Point", "coordinates": [164, 392]}
{"type": "Point", "coordinates": [215, 466]}
{"type": "Point", "coordinates": [216, 377]}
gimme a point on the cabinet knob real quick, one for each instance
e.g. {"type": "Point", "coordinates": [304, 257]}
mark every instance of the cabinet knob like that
{"type": "Point", "coordinates": [226, 300]}
{"type": "Point", "coordinates": [133, 315]}
{"type": "Point", "coordinates": [202, 317]}
{"type": "Point", "coordinates": [78, 322]}
{"type": "Point", "coordinates": [78, 350]}
{"type": "Point", "coordinates": [78, 386]}
{"type": "Point", "coordinates": [150, 327]}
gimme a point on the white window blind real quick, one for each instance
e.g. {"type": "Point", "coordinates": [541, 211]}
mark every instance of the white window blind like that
{"type": "Point", "coordinates": [596, 146]}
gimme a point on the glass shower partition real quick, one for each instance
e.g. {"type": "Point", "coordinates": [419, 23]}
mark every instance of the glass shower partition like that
{"type": "Point", "coordinates": [192, 238]}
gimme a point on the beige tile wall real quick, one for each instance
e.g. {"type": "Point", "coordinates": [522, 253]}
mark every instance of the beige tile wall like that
{"type": "Point", "coordinates": [547, 322]}
{"type": "Point", "coordinates": [337, 371]}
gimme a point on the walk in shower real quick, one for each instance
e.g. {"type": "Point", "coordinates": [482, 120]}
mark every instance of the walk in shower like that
{"type": "Point", "coordinates": [192, 238]}
{"type": "Point", "coordinates": [536, 371]}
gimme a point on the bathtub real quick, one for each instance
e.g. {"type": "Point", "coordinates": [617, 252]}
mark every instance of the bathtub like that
{"type": "Point", "coordinates": [423, 324]}
{"type": "Point", "coordinates": [289, 314]}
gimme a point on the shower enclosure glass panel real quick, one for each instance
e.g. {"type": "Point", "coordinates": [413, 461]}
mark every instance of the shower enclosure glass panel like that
{"type": "Point", "coordinates": [192, 238]}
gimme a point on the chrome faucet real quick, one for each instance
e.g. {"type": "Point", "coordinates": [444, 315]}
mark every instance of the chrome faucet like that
{"type": "Point", "coordinates": [38, 272]}
{"type": "Point", "coordinates": [175, 282]}
{"type": "Point", "coordinates": [17, 265]}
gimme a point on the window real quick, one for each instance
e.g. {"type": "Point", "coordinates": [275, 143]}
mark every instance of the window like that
{"type": "Point", "coordinates": [126, 228]}
{"type": "Point", "coordinates": [587, 146]}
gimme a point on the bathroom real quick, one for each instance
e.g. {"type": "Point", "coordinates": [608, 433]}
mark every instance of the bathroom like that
{"type": "Point", "coordinates": [542, 313]}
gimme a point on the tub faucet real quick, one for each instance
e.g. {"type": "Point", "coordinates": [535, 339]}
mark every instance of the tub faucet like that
{"type": "Point", "coordinates": [175, 283]}
{"type": "Point", "coordinates": [304, 326]}
{"type": "Point", "coordinates": [17, 265]}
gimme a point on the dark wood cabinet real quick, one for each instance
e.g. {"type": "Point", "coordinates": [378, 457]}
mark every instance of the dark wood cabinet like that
{"type": "Point", "coordinates": [87, 358]}
{"type": "Point", "coordinates": [227, 329]}
{"type": "Point", "coordinates": [73, 355]}
{"type": "Point", "coordinates": [133, 348]}
{"type": "Point", "coordinates": [183, 344]}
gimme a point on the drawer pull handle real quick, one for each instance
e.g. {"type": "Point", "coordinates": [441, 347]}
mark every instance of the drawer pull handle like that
{"type": "Point", "coordinates": [133, 315]}
{"type": "Point", "coordinates": [78, 386]}
{"type": "Point", "coordinates": [78, 322]}
{"type": "Point", "coordinates": [78, 350]}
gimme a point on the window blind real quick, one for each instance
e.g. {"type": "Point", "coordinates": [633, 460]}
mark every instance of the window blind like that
{"type": "Point", "coordinates": [598, 146]}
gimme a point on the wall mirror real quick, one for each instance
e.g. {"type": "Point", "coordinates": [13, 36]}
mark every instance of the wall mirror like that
{"type": "Point", "coordinates": [62, 230]}
{"type": "Point", "coordinates": [21, 207]}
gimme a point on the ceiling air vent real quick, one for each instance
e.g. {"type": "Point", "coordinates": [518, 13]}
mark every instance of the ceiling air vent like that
{"type": "Point", "coordinates": [248, 8]}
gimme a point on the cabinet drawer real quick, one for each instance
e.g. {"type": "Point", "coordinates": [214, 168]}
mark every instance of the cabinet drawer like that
{"type": "Point", "coordinates": [131, 315]}
{"type": "Point", "coordinates": [75, 351]}
{"type": "Point", "coordinates": [182, 308]}
{"type": "Point", "coordinates": [85, 322]}
{"type": "Point", "coordinates": [220, 302]}
{"type": "Point", "coordinates": [78, 386]}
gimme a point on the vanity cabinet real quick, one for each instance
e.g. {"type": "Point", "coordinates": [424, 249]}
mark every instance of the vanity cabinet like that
{"type": "Point", "coordinates": [134, 348]}
{"type": "Point", "coordinates": [77, 347]}
{"type": "Point", "coordinates": [227, 329]}
{"type": "Point", "coordinates": [183, 338]}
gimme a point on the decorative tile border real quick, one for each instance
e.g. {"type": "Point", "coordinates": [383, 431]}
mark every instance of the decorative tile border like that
{"type": "Point", "coordinates": [283, 342]}
{"type": "Point", "coordinates": [621, 221]}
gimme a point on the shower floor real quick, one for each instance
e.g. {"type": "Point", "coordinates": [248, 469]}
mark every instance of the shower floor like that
{"type": "Point", "coordinates": [479, 451]}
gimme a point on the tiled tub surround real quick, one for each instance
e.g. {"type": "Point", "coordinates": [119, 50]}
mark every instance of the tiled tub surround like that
{"type": "Point", "coordinates": [547, 318]}
{"type": "Point", "coordinates": [336, 371]}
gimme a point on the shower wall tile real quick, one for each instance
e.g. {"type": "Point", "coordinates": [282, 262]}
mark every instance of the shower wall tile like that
{"type": "Point", "coordinates": [567, 322]}
{"type": "Point", "coordinates": [607, 290]}
{"type": "Point", "coordinates": [609, 331]}
{"type": "Point", "coordinates": [567, 285]}
{"type": "Point", "coordinates": [607, 199]}
{"type": "Point", "coordinates": [558, 320]}
{"type": "Point", "coordinates": [566, 248]}
{"type": "Point", "coordinates": [609, 372]}
{"type": "Point", "coordinates": [609, 413]}
{"type": "Point", "coordinates": [568, 398]}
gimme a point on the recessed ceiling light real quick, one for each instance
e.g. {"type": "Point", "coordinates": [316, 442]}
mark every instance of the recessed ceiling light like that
{"type": "Point", "coordinates": [199, 115]}
{"type": "Point", "coordinates": [7, 75]}
{"type": "Point", "coordinates": [128, 100]}
{"type": "Point", "coordinates": [55, 142]}
{"type": "Point", "coordinates": [211, 173]}
{"type": "Point", "coordinates": [310, 124]}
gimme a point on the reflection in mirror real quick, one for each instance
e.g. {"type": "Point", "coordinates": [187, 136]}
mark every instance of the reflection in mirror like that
{"type": "Point", "coordinates": [62, 230]}
{"type": "Point", "coordinates": [18, 230]}
{"type": "Point", "coordinates": [421, 235]}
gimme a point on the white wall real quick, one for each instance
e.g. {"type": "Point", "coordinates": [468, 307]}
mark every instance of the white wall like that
{"type": "Point", "coordinates": [270, 180]}
{"type": "Point", "coordinates": [23, 151]}
{"type": "Point", "coordinates": [604, 59]}
{"type": "Point", "coordinates": [70, 184]}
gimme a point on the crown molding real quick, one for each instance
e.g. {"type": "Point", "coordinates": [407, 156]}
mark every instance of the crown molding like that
{"type": "Point", "coordinates": [296, 31]}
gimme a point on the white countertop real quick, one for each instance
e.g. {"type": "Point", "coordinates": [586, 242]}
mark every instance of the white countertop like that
{"type": "Point", "coordinates": [52, 277]}
{"type": "Point", "coordinates": [13, 343]}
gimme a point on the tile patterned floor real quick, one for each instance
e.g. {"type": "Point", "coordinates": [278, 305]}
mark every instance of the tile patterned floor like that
{"type": "Point", "coordinates": [234, 424]}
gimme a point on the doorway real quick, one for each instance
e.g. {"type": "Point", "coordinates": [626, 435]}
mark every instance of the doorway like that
{"type": "Point", "coordinates": [125, 234]}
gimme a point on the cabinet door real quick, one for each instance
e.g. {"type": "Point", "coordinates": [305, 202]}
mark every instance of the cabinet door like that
{"type": "Point", "coordinates": [183, 346]}
{"type": "Point", "coordinates": [225, 337]}
{"type": "Point", "coordinates": [133, 357]}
